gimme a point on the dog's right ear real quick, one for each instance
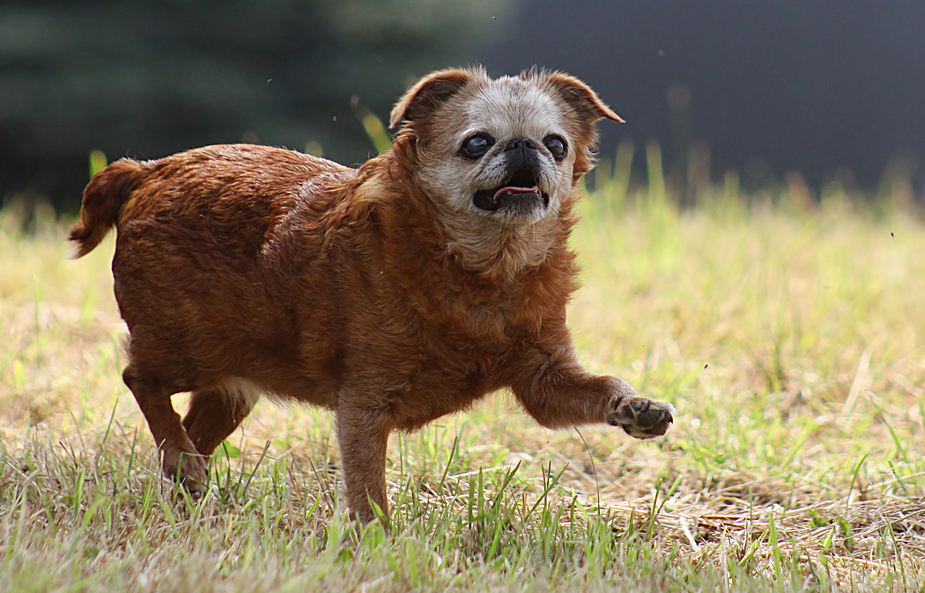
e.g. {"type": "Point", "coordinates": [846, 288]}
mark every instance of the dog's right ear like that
{"type": "Point", "coordinates": [432, 91]}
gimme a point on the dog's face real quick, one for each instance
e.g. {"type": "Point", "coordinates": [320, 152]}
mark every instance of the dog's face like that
{"type": "Point", "coordinates": [508, 151]}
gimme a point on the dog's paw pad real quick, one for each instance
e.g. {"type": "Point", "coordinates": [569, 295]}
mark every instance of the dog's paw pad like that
{"type": "Point", "coordinates": [642, 418]}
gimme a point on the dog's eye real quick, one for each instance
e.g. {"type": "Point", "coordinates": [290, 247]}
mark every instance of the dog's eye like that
{"type": "Point", "coordinates": [556, 146]}
{"type": "Point", "coordinates": [476, 145]}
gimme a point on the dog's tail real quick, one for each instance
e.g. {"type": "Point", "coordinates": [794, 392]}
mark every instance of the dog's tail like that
{"type": "Point", "coordinates": [103, 197]}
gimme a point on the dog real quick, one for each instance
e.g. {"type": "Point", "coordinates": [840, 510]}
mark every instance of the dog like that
{"type": "Point", "coordinates": [392, 294]}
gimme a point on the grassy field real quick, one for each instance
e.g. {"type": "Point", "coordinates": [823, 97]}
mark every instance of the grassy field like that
{"type": "Point", "coordinates": [790, 338]}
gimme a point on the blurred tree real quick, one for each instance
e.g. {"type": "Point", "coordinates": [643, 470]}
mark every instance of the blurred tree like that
{"type": "Point", "coordinates": [146, 79]}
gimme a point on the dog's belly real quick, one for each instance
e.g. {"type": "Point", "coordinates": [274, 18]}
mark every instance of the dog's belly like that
{"type": "Point", "coordinates": [412, 410]}
{"type": "Point", "coordinates": [414, 388]}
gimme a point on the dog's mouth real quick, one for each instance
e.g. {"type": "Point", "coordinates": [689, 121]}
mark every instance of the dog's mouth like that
{"type": "Point", "coordinates": [520, 194]}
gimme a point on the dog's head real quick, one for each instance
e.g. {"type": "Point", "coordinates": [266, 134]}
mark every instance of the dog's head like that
{"type": "Point", "coordinates": [510, 150]}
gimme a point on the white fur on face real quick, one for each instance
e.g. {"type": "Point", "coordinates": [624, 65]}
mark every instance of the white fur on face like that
{"type": "Point", "coordinates": [505, 109]}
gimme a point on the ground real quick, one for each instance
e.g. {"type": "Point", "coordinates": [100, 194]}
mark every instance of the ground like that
{"type": "Point", "coordinates": [789, 335]}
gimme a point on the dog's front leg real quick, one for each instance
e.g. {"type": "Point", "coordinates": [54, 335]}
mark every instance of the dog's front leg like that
{"type": "Point", "coordinates": [363, 436]}
{"type": "Point", "coordinates": [557, 391]}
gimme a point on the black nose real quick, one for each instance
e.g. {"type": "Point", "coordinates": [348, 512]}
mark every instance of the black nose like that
{"type": "Point", "coordinates": [520, 143]}
{"type": "Point", "coordinates": [521, 153]}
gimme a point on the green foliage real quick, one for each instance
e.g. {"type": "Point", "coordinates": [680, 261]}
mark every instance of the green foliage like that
{"type": "Point", "coordinates": [97, 162]}
{"type": "Point", "coordinates": [376, 132]}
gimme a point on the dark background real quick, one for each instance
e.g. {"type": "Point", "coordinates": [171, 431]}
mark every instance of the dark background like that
{"type": "Point", "coordinates": [826, 88]}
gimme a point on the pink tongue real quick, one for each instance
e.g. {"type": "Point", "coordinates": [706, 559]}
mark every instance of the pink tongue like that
{"type": "Point", "coordinates": [516, 190]}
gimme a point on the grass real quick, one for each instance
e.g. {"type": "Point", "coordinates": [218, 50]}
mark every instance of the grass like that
{"type": "Point", "coordinates": [791, 340]}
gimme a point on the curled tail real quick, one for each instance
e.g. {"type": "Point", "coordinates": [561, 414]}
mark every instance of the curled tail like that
{"type": "Point", "coordinates": [103, 197]}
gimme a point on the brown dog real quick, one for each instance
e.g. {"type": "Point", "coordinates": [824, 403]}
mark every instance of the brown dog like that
{"type": "Point", "coordinates": [393, 294]}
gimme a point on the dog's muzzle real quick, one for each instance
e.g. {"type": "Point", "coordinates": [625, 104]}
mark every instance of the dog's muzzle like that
{"type": "Point", "coordinates": [520, 194]}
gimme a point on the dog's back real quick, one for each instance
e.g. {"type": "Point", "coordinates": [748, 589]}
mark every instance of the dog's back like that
{"type": "Point", "coordinates": [241, 189]}
{"type": "Point", "coordinates": [197, 234]}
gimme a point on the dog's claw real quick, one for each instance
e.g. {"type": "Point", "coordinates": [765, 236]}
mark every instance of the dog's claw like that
{"type": "Point", "coordinates": [642, 418]}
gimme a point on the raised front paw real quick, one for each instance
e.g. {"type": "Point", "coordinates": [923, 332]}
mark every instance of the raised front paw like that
{"type": "Point", "coordinates": [641, 417]}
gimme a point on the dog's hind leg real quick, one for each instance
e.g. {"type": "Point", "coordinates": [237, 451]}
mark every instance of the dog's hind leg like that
{"type": "Point", "coordinates": [180, 458]}
{"type": "Point", "coordinates": [216, 412]}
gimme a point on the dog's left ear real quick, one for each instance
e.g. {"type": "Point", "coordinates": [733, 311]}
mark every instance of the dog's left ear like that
{"type": "Point", "coordinates": [580, 97]}
{"type": "Point", "coordinates": [432, 91]}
